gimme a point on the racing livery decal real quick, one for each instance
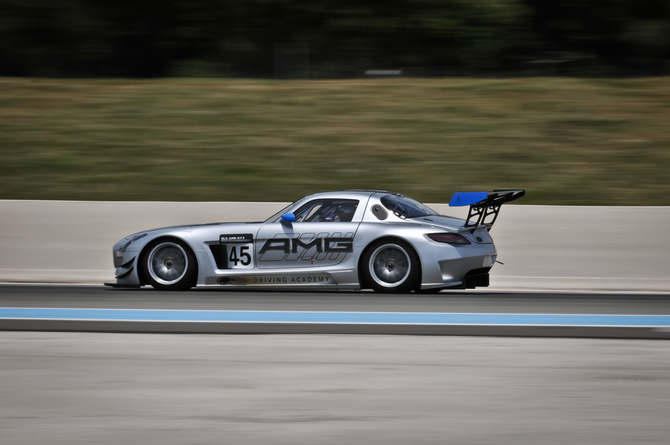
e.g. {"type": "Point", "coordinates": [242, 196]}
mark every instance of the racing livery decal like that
{"type": "Point", "coordinates": [309, 247]}
{"type": "Point", "coordinates": [321, 278]}
{"type": "Point", "coordinates": [243, 238]}
{"type": "Point", "coordinates": [274, 279]}
{"type": "Point", "coordinates": [241, 249]}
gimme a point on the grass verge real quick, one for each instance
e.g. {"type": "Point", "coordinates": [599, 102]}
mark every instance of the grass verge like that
{"type": "Point", "coordinates": [567, 141]}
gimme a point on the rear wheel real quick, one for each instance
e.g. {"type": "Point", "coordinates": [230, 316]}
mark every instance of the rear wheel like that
{"type": "Point", "coordinates": [390, 267]}
{"type": "Point", "coordinates": [168, 265]}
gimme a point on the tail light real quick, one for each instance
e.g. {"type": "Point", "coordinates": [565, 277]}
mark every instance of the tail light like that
{"type": "Point", "coordinates": [448, 238]}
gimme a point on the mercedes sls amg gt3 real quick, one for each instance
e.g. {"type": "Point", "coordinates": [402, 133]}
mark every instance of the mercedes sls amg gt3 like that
{"type": "Point", "coordinates": [355, 239]}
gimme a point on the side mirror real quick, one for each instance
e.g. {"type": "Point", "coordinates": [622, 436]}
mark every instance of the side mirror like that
{"type": "Point", "coordinates": [288, 218]}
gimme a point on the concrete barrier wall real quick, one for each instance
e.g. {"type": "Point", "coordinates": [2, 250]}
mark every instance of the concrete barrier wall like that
{"type": "Point", "coordinates": [542, 247]}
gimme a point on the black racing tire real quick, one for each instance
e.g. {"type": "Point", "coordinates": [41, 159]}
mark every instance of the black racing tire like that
{"type": "Point", "coordinates": [168, 264]}
{"type": "Point", "coordinates": [390, 266]}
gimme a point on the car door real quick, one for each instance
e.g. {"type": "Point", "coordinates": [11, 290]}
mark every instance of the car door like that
{"type": "Point", "coordinates": [321, 235]}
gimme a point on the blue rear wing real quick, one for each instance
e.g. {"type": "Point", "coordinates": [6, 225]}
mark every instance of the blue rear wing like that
{"type": "Point", "coordinates": [467, 199]}
{"type": "Point", "coordinates": [484, 206]}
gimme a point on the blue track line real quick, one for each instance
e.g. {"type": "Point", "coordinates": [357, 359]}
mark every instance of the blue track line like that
{"type": "Point", "coordinates": [386, 318]}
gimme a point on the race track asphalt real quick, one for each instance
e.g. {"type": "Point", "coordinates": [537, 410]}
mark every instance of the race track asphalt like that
{"type": "Point", "coordinates": [102, 309]}
{"type": "Point", "coordinates": [109, 388]}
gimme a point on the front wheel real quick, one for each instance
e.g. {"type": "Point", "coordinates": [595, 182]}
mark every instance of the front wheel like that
{"type": "Point", "coordinates": [391, 267]}
{"type": "Point", "coordinates": [168, 265]}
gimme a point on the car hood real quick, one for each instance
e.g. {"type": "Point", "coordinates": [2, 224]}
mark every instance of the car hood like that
{"type": "Point", "coordinates": [188, 228]}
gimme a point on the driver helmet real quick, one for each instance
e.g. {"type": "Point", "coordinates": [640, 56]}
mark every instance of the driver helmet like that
{"type": "Point", "coordinates": [345, 212]}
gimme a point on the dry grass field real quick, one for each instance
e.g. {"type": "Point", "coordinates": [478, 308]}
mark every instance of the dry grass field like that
{"type": "Point", "coordinates": [567, 141]}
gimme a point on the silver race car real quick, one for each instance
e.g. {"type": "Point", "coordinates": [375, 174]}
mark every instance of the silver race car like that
{"type": "Point", "coordinates": [353, 239]}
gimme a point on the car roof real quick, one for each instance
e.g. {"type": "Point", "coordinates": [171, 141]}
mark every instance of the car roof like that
{"type": "Point", "coordinates": [346, 194]}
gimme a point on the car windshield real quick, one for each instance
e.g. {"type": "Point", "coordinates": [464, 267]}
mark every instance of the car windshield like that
{"type": "Point", "coordinates": [406, 207]}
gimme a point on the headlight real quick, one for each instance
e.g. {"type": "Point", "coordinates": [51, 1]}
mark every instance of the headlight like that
{"type": "Point", "coordinates": [118, 253]}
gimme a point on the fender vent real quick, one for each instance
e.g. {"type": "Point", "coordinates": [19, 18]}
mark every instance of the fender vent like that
{"type": "Point", "coordinates": [220, 255]}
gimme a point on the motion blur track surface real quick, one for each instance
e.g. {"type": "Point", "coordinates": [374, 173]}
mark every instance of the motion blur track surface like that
{"type": "Point", "coordinates": [100, 309]}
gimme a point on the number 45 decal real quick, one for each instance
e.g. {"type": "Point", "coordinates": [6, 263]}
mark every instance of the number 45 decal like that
{"type": "Point", "coordinates": [243, 257]}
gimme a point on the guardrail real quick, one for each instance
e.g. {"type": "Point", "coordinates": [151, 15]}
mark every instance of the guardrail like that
{"type": "Point", "coordinates": [542, 247]}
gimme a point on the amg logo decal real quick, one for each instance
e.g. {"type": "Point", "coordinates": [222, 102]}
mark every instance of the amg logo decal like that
{"type": "Point", "coordinates": [323, 245]}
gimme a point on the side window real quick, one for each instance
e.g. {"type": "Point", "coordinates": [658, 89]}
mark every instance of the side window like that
{"type": "Point", "coordinates": [327, 210]}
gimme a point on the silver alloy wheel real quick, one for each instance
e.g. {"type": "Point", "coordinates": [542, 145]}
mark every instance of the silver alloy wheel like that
{"type": "Point", "coordinates": [167, 263]}
{"type": "Point", "coordinates": [390, 265]}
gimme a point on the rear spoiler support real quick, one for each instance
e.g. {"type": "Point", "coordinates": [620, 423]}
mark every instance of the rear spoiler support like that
{"type": "Point", "coordinates": [484, 206]}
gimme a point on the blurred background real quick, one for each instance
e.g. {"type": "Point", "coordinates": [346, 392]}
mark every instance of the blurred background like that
{"type": "Point", "coordinates": [267, 100]}
{"type": "Point", "coordinates": [320, 39]}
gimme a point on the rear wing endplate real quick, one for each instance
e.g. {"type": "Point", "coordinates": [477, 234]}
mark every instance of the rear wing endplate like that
{"type": "Point", "coordinates": [484, 206]}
